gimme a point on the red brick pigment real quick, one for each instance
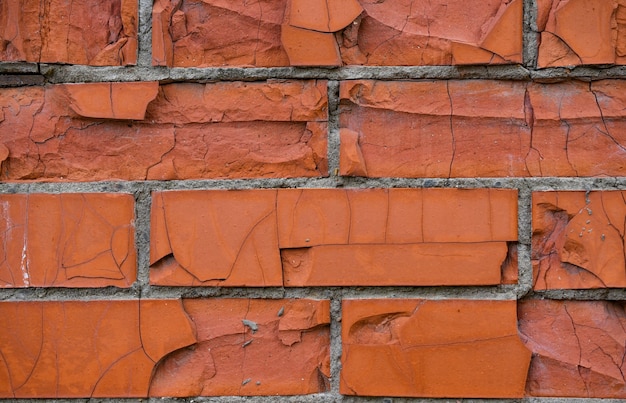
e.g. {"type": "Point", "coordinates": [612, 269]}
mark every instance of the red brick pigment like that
{"type": "Point", "coordinates": [313, 200]}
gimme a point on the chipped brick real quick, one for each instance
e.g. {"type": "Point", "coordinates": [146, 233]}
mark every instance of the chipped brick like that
{"type": "Point", "coordinates": [484, 128]}
{"type": "Point", "coordinates": [222, 130]}
{"type": "Point", "coordinates": [297, 42]}
{"type": "Point", "coordinates": [323, 15]}
{"type": "Point", "coordinates": [68, 240]}
{"type": "Point", "coordinates": [422, 348]}
{"type": "Point", "coordinates": [225, 238]}
{"type": "Point", "coordinates": [578, 348]}
{"type": "Point", "coordinates": [111, 100]}
{"type": "Point", "coordinates": [81, 349]}
{"type": "Point", "coordinates": [225, 362]}
{"type": "Point", "coordinates": [575, 32]}
{"type": "Point", "coordinates": [55, 31]}
{"type": "Point", "coordinates": [578, 239]}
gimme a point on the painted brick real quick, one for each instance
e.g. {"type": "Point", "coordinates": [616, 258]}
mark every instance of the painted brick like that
{"type": "Point", "coordinates": [72, 349]}
{"type": "Point", "coordinates": [67, 240]}
{"type": "Point", "coordinates": [250, 347]}
{"type": "Point", "coordinates": [225, 238]}
{"type": "Point", "coordinates": [313, 237]}
{"type": "Point", "coordinates": [221, 130]}
{"type": "Point", "coordinates": [578, 239]}
{"type": "Point", "coordinates": [578, 348]}
{"type": "Point", "coordinates": [481, 128]}
{"type": "Point", "coordinates": [274, 33]}
{"type": "Point", "coordinates": [103, 33]}
{"type": "Point", "coordinates": [575, 32]}
{"type": "Point", "coordinates": [428, 348]}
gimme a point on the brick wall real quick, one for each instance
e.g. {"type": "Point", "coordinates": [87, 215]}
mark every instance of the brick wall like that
{"type": "Point", "coordinates": [340, 200]}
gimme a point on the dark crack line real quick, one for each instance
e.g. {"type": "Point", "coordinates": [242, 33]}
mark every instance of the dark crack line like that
{"type": "Point", "coordinates": [451, 129]}
{"type": "Point", "coordinates": [38, 357]}
{"type": "Point", "coordinates": [607, 132]}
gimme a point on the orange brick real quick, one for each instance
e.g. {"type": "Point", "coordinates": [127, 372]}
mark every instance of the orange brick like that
{"type": "Point", "coordinates": [72, 349]}
{"type": "Point", "coordinates": [68, 240]}
{"type": "Point", "coordinates": [578, 239]}
{"type": "Point", "coordinates": [250, 347]}
{"type": "Point", "coordinates": [481, 128]}
{"type": "Point", "coordinates": [332, 237]}
{"type": "Point", "coordinates": [428, 348]}
{"type": "Point", "coordinates": [187, 33]}
{"type": "Point", "coordinates": [578, 348]}
{"type": "Point", "coordinates": [575, 32]}
{"type": "Point", "coordinates": [55, 31]}
{"type": "Point", "coordinates": [225, 238]}
{"type": "Point", "coordinates": [221, 130]}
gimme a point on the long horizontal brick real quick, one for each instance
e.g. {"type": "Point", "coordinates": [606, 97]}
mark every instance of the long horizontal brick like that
{"type": "Point", "coordinates": [279, 33]}
{"type": "Point", "coordinates": [250, 347]}
{"type": "Point", "coordinates": [371, 236]}
{"type": "Point", "coordinates": [482, 128]}
{"type": "Point", "coordinates": [56, 31]}
{"type": "Point", "coordinates": [72, 349]}
{"type": "Point", "coordinates": [428, 348]}
{"type": "Point", "coordinates": [578, 348]}
{"type": "Point", "coordinates": [578, 239]}
{"type": "Point", "coordinates": [67, 240]}
{"type": "Point", "coordinates": [575, 32]}
{"type": "Point", "coordinates": [221, 130]}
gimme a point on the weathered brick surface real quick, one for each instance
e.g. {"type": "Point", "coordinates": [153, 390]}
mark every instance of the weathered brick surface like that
{"type": "Point", "coordinates": [578, 347]}
{"type": "Point", "coordinates": [427, 348]}
{"type": "Point", "coordinates": [221, 130]}
{"type": "Point", "coordinates": [331, 237]}
{"type": "Point", "coordinates": [87, 348]}
{"type": "Point", "coordinates": [578, 239]}
{"type": "Point", "coordinates": [67, 240]}
{"type": "Point", "coordinates": [103, 33]}
{"type": "Point", "coordinates": [480, 128]}
{"type": "Point", "coordinates": [575, 32]}
{"type": "Point", "coordinates": [250, 347]}
{"type": "Point", "coordinates": [332, 33]}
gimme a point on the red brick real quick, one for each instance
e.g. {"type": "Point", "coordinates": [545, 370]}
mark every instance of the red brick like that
{"type": "Point", "coordinates": [68, 240]}
{"type": "Point", "coordinates": [578, 239]}
{"type": "Point", "coordinates": [482, 129]}
{"type": "Point", "coordinates": [225, 238]}
{"type": "Point", "coordinates": [332, 237]}
{"type": "Point", "coordinates": [223, 130]}
{"type": "Point", "coordinates": [188, 33]}
{"type": "Point", "coordinates": [57, 31]}
{"type": "Point", "coordinates": [575, 32]}
{"type": "Point", "coordinates": [111, 100]}
{"type": "Point", "coordinates": [578, 348]}
{"type": "Point", "coordinates": [428, 348]}
{"type": "Point", "coordinates": [287, 354]}
{"type": "Point", "coordinates": [73, 349]}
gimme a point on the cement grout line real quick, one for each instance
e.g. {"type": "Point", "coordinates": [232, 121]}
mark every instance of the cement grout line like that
{"type": "Point", "coordinates": [144, 34]}
{"type": "Point", "coordinates": [530, 35]}
{"type": "Point", "coordinates": [333, 140]}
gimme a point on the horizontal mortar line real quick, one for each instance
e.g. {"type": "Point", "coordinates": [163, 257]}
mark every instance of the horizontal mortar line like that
{"type": "Point", "coordinates": [530, 184]}
{"type": "Point", "coordinates": [56, 73]}
{"type": "Point", "coordinates": [617, 294]}
{"type": "Point", "coordinates": [500, 292]}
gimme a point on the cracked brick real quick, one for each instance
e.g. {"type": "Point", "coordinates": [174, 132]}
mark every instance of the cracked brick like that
{"type": "Point", "coordinates": [287, 354]}
{"type": "Point", "coordinates": [427, 348]}
{"type": "Point", "coordinates": [190, 131]}
{"type": "Point", "coordinates": [68, 240]}
{"type": "Point", "coordinates": [578, 240]}
{"type": "Point", "coordinates": [76, 32]}
{"type": "Point", "coordinates": [83, 349]}
{"type": "Point", "coordinates": [578, 348]}
{"type": "Point", "coordinates": [481, 128]}
{"type": "Point", "coordinates": [575, 32]}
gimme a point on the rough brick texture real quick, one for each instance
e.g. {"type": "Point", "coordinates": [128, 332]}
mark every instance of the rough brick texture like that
{"type": "Point", "coordinates": [313, 200]}
{"type": "Point", "coordinates": [103, 33]}
{"type": "Point", "coordinates": [479, 128]}
{"type": "Point", "coordinates": [68, 240]}
{"type": "Point", "coordinates": [454, 348]}
{"type": "Point", "coordinates": [331, 237]}
{"type": "Point", "coordinates": [578, 239]}
{"type": "Point", "coordinates": [332, 33]}
{"type": "Point", "coordinates": [221, 130]}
